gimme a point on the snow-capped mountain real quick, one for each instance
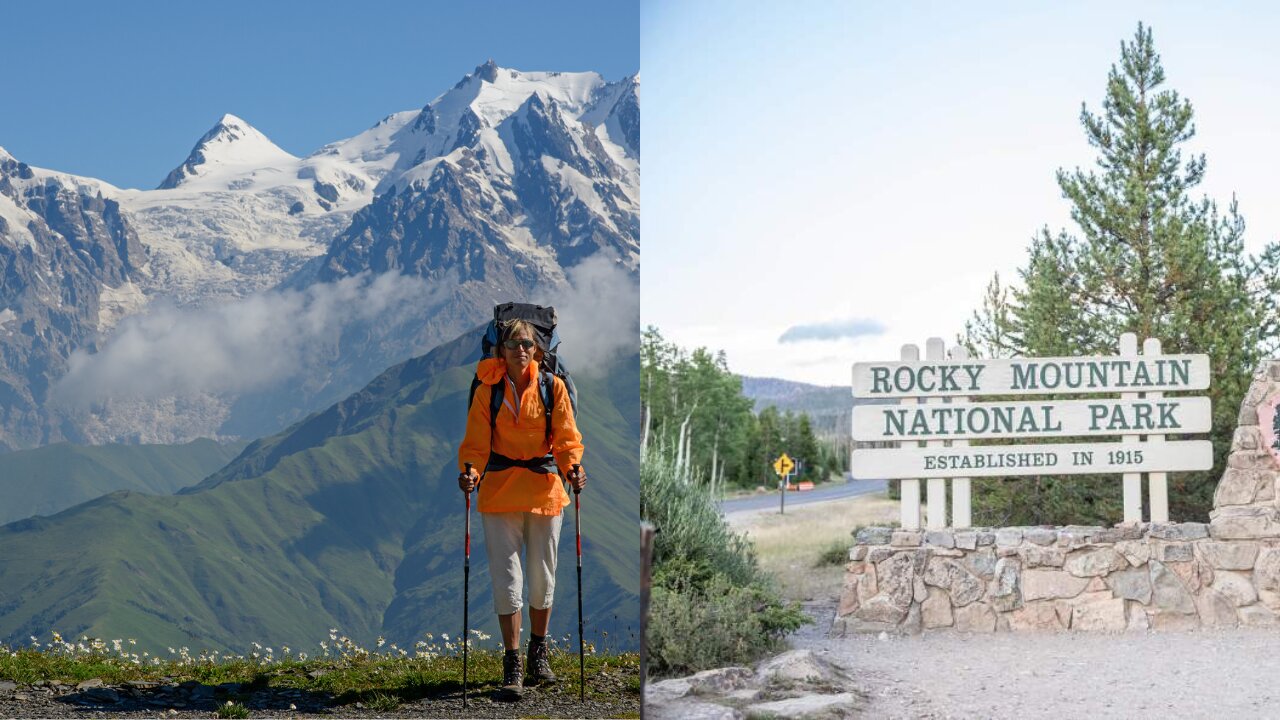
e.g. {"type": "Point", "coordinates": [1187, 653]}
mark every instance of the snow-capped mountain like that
{"type": "Point", "coordinates": [67, 254]}
{"type": "Point", "coordinates": [232, 150]}
{"type": "Point", "coordinates": [497, 187]}
{"type": "Point", "coordinates": [504, 169]}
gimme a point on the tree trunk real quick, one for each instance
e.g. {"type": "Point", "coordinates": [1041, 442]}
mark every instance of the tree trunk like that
{"type": "Point", "coordinates": [682, 451]}
{"type": "Point", "coordinates": [715, 452]}
{"type": "Point", "coordinates": [647, 412]}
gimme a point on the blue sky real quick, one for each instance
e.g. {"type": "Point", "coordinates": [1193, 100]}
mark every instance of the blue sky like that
{"type": "Point", "coordinates": [122, 91]}
{"type": "Point", "coordinates": [859, 170]}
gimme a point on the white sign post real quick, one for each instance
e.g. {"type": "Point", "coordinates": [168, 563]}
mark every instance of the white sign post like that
{"type": "Point", "coordinates": [1158, 482]}
{"type": "Point", "coordinates": [943, 419]}
{"type": "Point", "coordinates": [937, 486]}
{"type": "Point", "coordinates": [909, 488]}
{"type": "Point", "coordinates": [961, 502]}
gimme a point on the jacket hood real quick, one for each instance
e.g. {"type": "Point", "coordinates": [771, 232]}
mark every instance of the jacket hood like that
{"type": "Point", "coordinates": [492, 370]}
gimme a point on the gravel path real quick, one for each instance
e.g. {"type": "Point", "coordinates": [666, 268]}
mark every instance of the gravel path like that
{"type": "Point", "coordinates": [51, 700]}
{"type": "Point", "coordinates": [1203, 674]}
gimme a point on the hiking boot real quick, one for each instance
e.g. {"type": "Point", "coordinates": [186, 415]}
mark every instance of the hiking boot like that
{"type": "Point", "coordinates": [539, 664]}
{"type": "Point", "coordinates": [512, 675]}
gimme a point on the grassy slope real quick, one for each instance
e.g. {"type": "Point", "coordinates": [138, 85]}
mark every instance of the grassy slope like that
{"type": "Point", "coordinates": [788, 546]}
{"type": "Point", "coordinates": [349, 519]}
{"type": "Point", "coordinates": [50, 479]}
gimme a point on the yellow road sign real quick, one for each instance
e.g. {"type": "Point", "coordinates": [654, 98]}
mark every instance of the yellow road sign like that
{"type": "Point", "coordinates": [783, 465]}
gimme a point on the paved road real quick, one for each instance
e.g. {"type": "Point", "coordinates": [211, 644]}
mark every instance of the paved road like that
{"type": "Point", "coordinates": [824, 493]}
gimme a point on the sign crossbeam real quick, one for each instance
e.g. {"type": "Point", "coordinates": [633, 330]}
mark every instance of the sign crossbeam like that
{"type": "Point", "coordinates": [1015, 460]}
{"type": "Point", "coordinates": [1031, 376]}
{"type": "Point", "coordinates": [1068, 418]}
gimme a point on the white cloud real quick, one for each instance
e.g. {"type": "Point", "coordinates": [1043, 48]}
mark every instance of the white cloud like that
{"type": "Point", "coordinates": [833, 330]}
{"type": "Point", "coordinates": [239, 346]}
{"type": "Point", "coordinates": [599, 313]}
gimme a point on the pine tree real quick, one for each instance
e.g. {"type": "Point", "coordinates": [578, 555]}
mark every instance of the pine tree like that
{"type": "Point", "coordinates": [1147, 259]}
{"type": "Point", "coordinates": [806, 448]}
{"type": "Point", "coordinates": [768, 446]}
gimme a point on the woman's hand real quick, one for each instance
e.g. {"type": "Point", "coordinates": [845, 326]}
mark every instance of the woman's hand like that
{"type": "Point", "coordinates": [468, 480]}
{"type": "Point", "coordinates": [577, 478]}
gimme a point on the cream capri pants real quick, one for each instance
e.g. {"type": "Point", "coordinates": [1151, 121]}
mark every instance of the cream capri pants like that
{"type": "Point", "coordinates": [504, 534]}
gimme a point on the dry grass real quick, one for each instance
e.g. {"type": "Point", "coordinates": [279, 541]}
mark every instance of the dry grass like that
{"type": "Point", "coordinates": [789, 546]}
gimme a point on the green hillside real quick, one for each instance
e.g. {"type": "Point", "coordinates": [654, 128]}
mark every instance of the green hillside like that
{"type": "Point", "coordinates": [53, 478]}
{"type": "Point", "coordinates": [349, 519]}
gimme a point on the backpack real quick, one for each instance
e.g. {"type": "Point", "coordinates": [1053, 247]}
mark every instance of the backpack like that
{"type": "Point", "coordinates": [543, 320]}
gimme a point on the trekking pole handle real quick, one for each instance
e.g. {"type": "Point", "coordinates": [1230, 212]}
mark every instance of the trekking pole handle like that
{"type": "Point", "coordinates": [468, 539]}
{"type": "Point", "coordinates": [577, 468]}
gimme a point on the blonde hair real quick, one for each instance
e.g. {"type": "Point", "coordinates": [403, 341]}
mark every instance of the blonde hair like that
{"type": "Point", "coordinates": [511, 328]}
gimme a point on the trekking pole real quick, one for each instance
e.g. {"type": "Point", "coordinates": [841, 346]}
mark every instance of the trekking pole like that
{"type": "Point", "coordinates": [466, 590]}
{"type": "Point", "coordinates": [577, 528]}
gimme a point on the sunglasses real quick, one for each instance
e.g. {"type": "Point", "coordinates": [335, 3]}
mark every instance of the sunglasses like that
{"type": "Point", "coordinates": [513, 344]}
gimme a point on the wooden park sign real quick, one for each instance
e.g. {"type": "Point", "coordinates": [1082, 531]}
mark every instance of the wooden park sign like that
{"type": "Point", "coordinates": [934, 421]}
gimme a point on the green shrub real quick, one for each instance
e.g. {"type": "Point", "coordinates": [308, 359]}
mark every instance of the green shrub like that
{"type": "Point", "coordinates": [383, 702]}
{"type": "Point", "coordinates": [837, 553]}
{"type": "Point", "coordinates": [710, 604]}
{"type": "Point", "coordinates": [690, 528]}
{"type": "Point", "coordinates": [721, 624]}
{"type": "Point", "coordinates": [232, 710]}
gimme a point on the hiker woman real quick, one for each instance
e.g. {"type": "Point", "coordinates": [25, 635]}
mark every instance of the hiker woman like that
{"type": "Point", "coordinates": [521, 497]}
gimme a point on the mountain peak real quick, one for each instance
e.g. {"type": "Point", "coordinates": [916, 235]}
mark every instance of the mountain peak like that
{"type": "Point", "coordinates": [231, 129]}
{"type": "Point", "coordinates": [231, 144]}
{"type": "Point", "coordinates": [488, 71]}
{"type": "Point", "coordinates": [493, 93]}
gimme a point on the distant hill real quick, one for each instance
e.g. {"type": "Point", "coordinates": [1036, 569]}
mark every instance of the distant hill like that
{"type": "Point", "coordinates": [829, 407]}
{"type": "Point", "coordinates": [53, 478]}
{"type": "Point", "coordinates": [796, 396]}
{"type": "Point", "coordinates": [350, 518]}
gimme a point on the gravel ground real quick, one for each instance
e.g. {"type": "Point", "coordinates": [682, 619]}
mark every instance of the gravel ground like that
{"type": "Point", "coordinates": [1202, 674]}
{"type": "Point", "coordinates": [60, 701]}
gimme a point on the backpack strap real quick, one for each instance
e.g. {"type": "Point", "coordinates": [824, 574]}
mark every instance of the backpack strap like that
{"type": "Point", "coordinates": [495, 402]}
{"type": "Point", "coordinates": [545, 383]}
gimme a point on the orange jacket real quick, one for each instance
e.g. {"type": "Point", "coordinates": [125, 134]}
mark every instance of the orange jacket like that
{"type": "Point", "coordinates": [522, 438]}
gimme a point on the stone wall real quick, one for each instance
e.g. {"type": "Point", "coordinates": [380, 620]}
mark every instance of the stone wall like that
{"type": "Point", "coordinates": [1136, 577]}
